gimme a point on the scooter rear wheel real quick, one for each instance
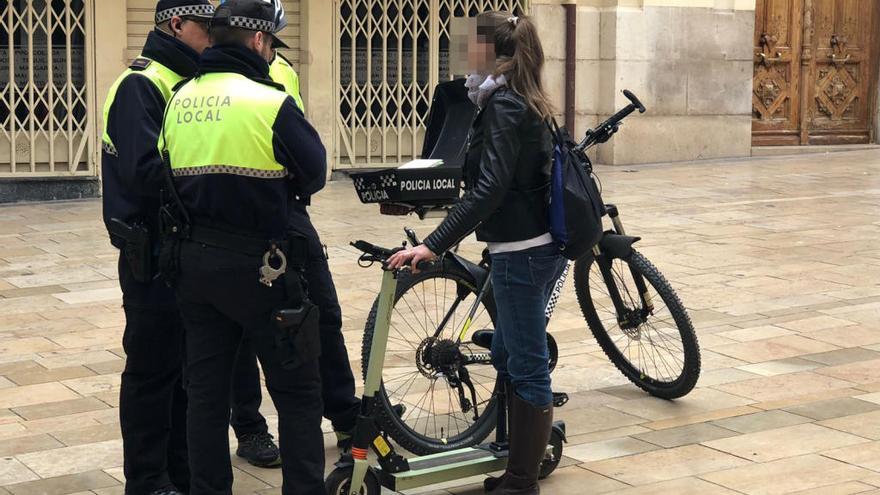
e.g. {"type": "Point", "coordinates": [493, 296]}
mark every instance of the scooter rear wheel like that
{"type": "Point", "coordinates": [339, 483]}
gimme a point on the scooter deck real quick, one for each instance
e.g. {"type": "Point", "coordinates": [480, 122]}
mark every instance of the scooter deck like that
{"type": "Point", "coordinates": [446, 466]}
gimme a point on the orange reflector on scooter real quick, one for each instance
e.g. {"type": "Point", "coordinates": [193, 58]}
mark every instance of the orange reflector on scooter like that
{"type": "Point", "coordinates": [359, 454]}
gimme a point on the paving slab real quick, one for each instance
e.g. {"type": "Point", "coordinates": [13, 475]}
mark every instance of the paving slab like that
{"type": "Point", "coordinates": [809, 472]}
{"type": "Point", "coordinates": [789, 441]}
{"type": "Point", "coordinates": [781, 288]}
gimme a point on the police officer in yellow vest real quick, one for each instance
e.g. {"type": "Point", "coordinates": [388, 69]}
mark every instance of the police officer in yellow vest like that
{"type": "Point", "coordinates": [152, 402]}
{"type": "Point", "coordinates": [239, 148]}
{"type": "Point", "coordinates": [282, 72]}
{"type": "Point", "coordinates": [341, 405]}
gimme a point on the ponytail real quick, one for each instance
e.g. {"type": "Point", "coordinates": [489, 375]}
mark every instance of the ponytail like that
{"type": "Point", "coordinates": [520, 58]}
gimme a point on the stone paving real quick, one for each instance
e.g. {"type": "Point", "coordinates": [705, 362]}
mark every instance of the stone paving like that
{"type": "Point", "coordinates": [777, 260]}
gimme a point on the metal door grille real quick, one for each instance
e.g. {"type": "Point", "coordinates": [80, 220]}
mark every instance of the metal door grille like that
{"type": "Point", "coordinates": [390, 55]}
{"type": "Point", "coordinates": [45, 89]}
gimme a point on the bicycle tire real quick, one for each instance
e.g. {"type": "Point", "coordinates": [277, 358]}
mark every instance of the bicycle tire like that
{"type": "Point", "coordinates": [397, 427]}
{"type": "Point", "coordinates": [671, 388]}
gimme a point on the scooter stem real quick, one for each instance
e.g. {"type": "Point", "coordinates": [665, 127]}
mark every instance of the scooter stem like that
{"type": "Point", "coordinates": [376, 363]}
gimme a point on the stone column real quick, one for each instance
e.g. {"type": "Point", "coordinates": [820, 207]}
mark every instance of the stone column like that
{"type": "Point", "coordinates": [690, 62]}
{"type": "Point", "coordinates": [110, 44]}
{"type": "Point", "coordinates": [317, 74]}
{"type": "Point", "coordinates": [549, 17]}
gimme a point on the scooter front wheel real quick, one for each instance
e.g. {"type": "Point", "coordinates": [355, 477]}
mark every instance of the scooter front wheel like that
{"type": "Point", "coordinates": [339, 483]}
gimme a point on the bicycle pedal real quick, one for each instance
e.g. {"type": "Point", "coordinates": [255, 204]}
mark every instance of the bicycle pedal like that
{"type": "Point", "coordinates": [560, 399]}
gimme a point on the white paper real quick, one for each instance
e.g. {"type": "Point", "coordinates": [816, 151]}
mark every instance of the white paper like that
{"type": "Point", "coordinates": [429, 163]}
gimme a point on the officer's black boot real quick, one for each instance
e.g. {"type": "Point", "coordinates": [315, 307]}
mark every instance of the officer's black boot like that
{"type": "Point", "coordinates": [167, 491]}
{"type": "Point", "coordinates": [259, 450]}
{"type": "Point", "coordinates": [530, 429]}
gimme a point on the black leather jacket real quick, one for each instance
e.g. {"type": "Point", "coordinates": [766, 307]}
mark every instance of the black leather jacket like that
{"type": "Point", "coordinates": [507, 173]}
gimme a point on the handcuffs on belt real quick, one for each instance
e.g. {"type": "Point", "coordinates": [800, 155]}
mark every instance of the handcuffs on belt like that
{"type": "Point", "coordinates": [268, 273]}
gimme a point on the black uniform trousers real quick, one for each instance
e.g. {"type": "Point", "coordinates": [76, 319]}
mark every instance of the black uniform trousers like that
{"type": "Point", "coordinates": [222, 302]}
{"type": "Point", "coordinates": [246, 418]}
{"type": "Point", "coordinates": [152, 401]}
{"type": "Point", "coordinates": [341, 405]}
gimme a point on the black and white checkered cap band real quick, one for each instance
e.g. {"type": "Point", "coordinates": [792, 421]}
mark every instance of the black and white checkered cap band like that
{"type": "Point", "coordinates": [183, 11]}
{"type": "Point", "coordinates": [252, 24]}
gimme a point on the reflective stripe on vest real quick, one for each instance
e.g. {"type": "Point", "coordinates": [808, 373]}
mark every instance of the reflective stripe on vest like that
{"type": "Point", "coordinates": [221, 123]}
{"type": "Point", "coordinates": [282, 72]}
{"type": "Point", "coordinates": [162, 77]}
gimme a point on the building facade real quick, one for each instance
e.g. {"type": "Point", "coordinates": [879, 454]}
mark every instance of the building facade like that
{"type": "Point", "coordinates": [718, 76]}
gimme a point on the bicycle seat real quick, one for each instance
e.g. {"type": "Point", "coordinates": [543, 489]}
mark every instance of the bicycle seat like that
{"type": "Point", "coordinates": [483, 338]}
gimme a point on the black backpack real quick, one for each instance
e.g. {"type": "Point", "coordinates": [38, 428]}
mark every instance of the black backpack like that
{"type": "Point", "coordinates": [576, 206]}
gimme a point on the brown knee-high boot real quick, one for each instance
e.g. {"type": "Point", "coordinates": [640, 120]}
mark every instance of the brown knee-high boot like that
{"type": "Point", "coordinates": [491, 482]}
{"type": "Point", "coordinates": [530, 429]}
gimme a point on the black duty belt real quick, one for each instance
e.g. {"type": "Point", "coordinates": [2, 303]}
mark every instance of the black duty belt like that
{"type": "Point", "coordinates": [233, 242]}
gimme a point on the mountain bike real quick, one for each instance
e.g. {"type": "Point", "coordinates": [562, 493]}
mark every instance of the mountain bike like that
{"type": "Point", "coordinates": [439, 363]}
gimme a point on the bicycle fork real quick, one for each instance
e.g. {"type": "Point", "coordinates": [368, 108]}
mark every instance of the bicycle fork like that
{"type": "Point", "coordinates": [605, 263]}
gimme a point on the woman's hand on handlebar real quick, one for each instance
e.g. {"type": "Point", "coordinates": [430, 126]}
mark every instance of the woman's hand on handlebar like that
{"type": "Point", "coordinates": [412, 257]}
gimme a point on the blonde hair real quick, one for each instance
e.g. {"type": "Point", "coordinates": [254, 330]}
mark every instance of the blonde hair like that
{"type": "Point", "coordinates": [519, 57]}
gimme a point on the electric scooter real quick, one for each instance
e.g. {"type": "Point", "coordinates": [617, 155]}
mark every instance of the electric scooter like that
{"type": "Point", "coordinates": [354, 475]}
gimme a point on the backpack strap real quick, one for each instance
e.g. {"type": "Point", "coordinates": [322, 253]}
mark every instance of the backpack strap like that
{"type": "Point", "coordinates": [553, 127]}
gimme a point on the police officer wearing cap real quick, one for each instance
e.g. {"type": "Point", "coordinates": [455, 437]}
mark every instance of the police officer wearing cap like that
{"type": "Point", "coordinates": [280, 69]}
{"type": "Point", "coordinates": [152, 401]}
{"type": "Point", "coordinates": [341, 405]}
{"type": "Point", "coordinates": [238, 148]}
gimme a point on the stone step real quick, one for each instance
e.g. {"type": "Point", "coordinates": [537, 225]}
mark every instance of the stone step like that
{"type": "Point", "coordinates": [800, 150]}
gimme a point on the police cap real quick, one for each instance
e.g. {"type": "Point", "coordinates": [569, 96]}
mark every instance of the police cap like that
{"type": "Point", "coordinates": [166, 9]}
{"type": "Point", "coordinates": [253, 15]}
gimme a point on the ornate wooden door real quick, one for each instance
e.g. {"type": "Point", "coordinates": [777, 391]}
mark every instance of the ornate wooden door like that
{"type": "Point", "coordinates": [841, 82]}
{"type": "Point", "coordinates": [815, 71]}
{"type": "Point", "coordinates": [777, 84]}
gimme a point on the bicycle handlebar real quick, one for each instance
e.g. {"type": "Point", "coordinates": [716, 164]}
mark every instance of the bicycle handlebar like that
{"type": "Point", "coordinates": [605, 130]}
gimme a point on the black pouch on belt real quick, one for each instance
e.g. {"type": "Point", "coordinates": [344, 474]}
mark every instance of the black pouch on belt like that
{"type": "Point", "coordinates": [298, 337]}
{"type": "Point", "coordinates": [169, 260]}
{"type": "Point", "coordinates": [138, 248]}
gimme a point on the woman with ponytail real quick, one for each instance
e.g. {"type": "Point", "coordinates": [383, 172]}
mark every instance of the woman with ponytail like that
{"type": "Point", "coordinates": [507, 171]}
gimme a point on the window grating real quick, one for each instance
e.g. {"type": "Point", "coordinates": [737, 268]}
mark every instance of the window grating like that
{"type": "Point", "coordinates": [391, 54]}
{"type": "Point", "coordinates": [45, 124]}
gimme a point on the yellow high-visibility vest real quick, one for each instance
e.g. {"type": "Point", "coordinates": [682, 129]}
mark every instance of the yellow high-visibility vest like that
{"type": "Point", "coordinates": [162, 77]}
{"type": "Point", "coordinates": [282, 72]}
{"type": "Point", "coordinates": [221, 123]}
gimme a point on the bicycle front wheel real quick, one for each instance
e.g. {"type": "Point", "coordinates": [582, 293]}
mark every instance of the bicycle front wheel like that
{"type": "Point", "coordinates": [446, 384]}
{"type": "Point", "coordinates": [654, 345]}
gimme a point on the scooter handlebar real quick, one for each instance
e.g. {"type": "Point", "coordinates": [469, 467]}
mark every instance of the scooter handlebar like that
{"type": "Point", "coordinates": [374, 253]}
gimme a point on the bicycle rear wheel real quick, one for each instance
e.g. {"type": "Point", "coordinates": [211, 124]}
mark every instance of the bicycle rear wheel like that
{"type": "Point", "coordinates": [655, 348]}
{"type": "Point", "coordinates": [423, 369]}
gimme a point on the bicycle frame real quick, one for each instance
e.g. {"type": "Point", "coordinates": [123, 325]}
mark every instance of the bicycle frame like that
{"type": "Point", "coordinates": [481, 294]}
{"type": "Point", "coordinates": [603, 260]}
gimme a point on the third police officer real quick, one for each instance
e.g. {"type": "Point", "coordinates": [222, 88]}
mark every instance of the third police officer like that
{"type": "Point", "coordinates": [238, 148]}
{"type": "Point", "coordinates": [341, 405]}
{"type": "Point", "coordinates": [152, 402]}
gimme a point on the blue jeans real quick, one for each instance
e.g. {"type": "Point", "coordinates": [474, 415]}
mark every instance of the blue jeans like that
{"type": "Point", "coordinates": [523, 281]}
